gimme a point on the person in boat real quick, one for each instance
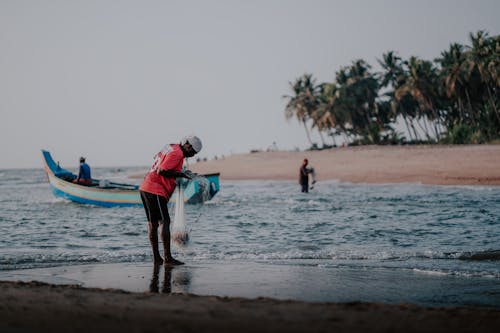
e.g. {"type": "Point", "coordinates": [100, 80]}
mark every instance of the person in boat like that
{"type": "Point", "coordinates": [157, 188]}
{"type": "Point", "coordinates": [84, 176]}
{"type": "Point", "coordinates": [304, 176]}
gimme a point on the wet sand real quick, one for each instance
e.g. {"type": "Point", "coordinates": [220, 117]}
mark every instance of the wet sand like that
{"type": "Point", "coordinates": [38, 307]}
{"type": "Point", "coordinates": [142, 298]}
{"type": "Point", "coordinates": [441, 165]}
{"type": "Point", "coordinates": [302, 280]}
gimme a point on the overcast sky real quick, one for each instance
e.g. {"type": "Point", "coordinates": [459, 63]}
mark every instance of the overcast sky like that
{"type": "Point", "coordinates": [116, 80]}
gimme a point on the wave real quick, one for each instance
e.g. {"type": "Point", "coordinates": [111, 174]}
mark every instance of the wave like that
{"type": "Point", "coordinates": [66, 259]}
{"type": "Point", "coordinates": [310, 252]}
{"type": "Point", "coordinates": [466, 274]}
{"type": "Point", "coordinates": [481, 255]}
{"type": "Point", "coordinates": [304, 252]}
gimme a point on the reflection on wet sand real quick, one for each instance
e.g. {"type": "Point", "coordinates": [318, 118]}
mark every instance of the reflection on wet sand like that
{"type": "Point", "coordinates": [175, 279]}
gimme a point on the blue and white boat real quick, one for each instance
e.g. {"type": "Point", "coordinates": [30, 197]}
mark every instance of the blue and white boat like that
{"type": "Point", "coordinates": [110, 194]}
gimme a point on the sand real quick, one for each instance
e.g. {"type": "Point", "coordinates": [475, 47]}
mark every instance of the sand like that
{"type": "Point", "coordinates": [443, 165]}
{"type": "Point", "coordinates": [306, 280]}
{"type": "Point", "coordinates": [38, 307]}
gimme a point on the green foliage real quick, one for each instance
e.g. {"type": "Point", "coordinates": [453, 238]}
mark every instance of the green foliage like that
{"type": "Point", "coordinates": [455, 99]}
{"type": "Point", "coordinates": [459, 134]}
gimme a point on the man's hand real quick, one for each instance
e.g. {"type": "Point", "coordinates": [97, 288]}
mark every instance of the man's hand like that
{"type": "Point", "coordinates": [189, 174]}
{"type": "Point", "coordinates": [174, 174]}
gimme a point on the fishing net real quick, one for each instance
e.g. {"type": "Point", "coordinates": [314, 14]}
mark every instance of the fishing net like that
{"type": "Point", "coordinates": [205, 189]}
{"type": "Point", "coordinates": [179, 227]}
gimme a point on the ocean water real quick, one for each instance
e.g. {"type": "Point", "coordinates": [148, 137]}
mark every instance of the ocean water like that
{"type": "Point", "coordinates": [362, 235]}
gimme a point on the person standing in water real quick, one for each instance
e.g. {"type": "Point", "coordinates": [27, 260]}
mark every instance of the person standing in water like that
{"type": "Point", "coordinates": [84, 177]}
{"type": "Point", "coordinates": [157, 188]}
{"type": "Point", "coordinates": [304, 176]}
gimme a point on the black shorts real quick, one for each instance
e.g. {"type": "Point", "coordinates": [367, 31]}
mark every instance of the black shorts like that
{"type": "Point", "coordinates": [156, 207]}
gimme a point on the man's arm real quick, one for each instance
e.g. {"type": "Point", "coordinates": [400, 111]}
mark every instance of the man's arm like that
{"type": "Point", "coordinates": [172, 174]}
{"type": "Point", "coordinates": [80, 172]}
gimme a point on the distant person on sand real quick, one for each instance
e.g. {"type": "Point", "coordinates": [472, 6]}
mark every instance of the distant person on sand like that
{"type": "Point", "coordinates": [158, 186]}
{"type": "Point", "coordinates": [84, 177]}
{"type": "Point", "coordinates": [304, 176]}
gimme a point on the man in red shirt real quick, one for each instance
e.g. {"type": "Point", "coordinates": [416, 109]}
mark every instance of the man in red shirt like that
{"type": "Point", "coordinates": [158, 186]}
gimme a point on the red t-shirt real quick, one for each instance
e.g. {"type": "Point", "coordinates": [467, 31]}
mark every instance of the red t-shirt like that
{"type": "Point", "coordinates": [170, 157]}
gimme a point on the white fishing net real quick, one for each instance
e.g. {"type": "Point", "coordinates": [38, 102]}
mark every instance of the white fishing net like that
{"type": "Point", "coordinates": [179, 228]}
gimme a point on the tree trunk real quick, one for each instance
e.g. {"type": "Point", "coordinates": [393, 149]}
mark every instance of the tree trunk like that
{"type": "Point", "coordinates": [492, 101]}
{"type": "Point", "coordinates": [423, 129]}
{"type": "Point", "coordinates": [321, 137]}
{"type": "Point", "coordinates": [407, 127]}
{"type": "Point", "coordinates": [471, 113]}
{"type": "Point", "coordinates": [333, 138]}
{"type": "Point", "coordinates": [435, 122]}
{"type": "Point", "coordinates": [307, 133]}
{"type": "Point", "coordinates": [417, 138]}
{"type": "Point", "coordinates": [461, 109]}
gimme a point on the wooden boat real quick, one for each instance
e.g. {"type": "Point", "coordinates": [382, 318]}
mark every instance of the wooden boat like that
{"type": "Point", "coordinates": [111, 194]}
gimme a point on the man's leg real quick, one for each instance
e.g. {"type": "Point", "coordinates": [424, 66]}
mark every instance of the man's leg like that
{"type": "Point", "coordinates": [153, 240]}
{"type": "Point", "coordinates": [165, 238]}
{"type": "Point", "coordinates": [149, 202]}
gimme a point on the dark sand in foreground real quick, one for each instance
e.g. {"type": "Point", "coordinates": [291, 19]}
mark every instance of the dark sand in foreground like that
{"type": "Point", "coordinates": [37, 307]}
{"type": "Point", "coordinates": [162, 301]}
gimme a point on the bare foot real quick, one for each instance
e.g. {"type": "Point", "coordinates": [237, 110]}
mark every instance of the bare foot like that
{"type": "Point", "coordinates": [173, 262]}
{"type": "Point", "coordinates": [158, 260]}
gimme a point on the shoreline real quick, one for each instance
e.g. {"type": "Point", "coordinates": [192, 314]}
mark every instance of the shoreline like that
{"type": "Point", "coordinates": [37, 307]}
{"type": "Point", "coordinates": [306, 280]}
{"type": "Point", "coordinates": [433, 165]}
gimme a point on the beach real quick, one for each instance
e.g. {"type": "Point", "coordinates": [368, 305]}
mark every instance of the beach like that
{"type": "Point", "coordinates": [349, 256]}
{"type": "Point", "coordinates": [434, 164]}
{"type": "Point", "coordinates": [38, 307]}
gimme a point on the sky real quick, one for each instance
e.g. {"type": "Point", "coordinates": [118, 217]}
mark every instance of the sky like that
{"type": "Point", "coordinates": [115, 80]}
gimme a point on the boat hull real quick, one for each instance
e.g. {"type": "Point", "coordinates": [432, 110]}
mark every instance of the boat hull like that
{"type": "Point", "coordinates": [119, 195]}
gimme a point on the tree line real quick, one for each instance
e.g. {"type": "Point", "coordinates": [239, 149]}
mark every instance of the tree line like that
{"type": "Point", "coordinates": [452, 99]}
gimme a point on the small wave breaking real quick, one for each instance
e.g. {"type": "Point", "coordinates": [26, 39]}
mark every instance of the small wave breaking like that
{"type": "Point", "coordinates": [481, 255]}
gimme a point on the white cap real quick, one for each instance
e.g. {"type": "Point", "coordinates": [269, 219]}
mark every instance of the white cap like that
{"type": "Point", "coordinates": [194, 141]}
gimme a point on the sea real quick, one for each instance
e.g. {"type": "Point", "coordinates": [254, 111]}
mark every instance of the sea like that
{"type": "Point", "coordinates": [341, 242]}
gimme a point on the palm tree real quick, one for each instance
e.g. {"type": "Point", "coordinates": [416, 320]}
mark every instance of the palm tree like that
{"type": "Point", "coordinates": [454, 81]}
{"type": "Point", "coordinates": [460, 91]}
{"type": "Point", "coordinates": [393, 78]}
{"type": "Point", "coordinates": [393, 67]}
{"type": "Point", "coordinates": [327, 111]}
{"type": "Point", "coordinates": [355, 103]}
{"type": "Point", "coordinates": [420, 85]}
{"type": "Point", "coordinates": [303, 102]}
{"type": "Point", "coordinates": [484, 57]}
